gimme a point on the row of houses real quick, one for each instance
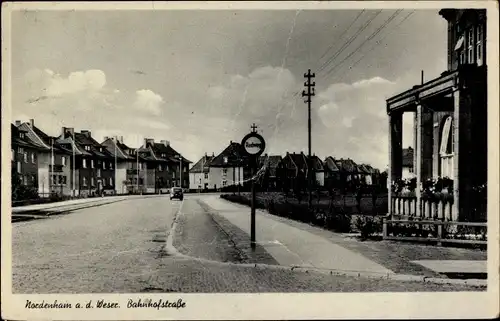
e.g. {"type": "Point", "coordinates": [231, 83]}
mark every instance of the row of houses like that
{"type": "Point", "coordinates": [230, 167]}
{"type": "Point", "coordinates": [75, 164]}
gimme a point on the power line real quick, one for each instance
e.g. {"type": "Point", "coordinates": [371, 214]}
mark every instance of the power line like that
{"type": "Point", "coordinates": [373, 35]}
{"type": "Point", "coordinates": [348, 42]}
{"type": "Point", "coordinates": [342, 34]}
{"type": "Point", "coordinates": [382, 39]}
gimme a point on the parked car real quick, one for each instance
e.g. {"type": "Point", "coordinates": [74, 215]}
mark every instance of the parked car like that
{"type": "Point", "coordinates": [176, 192]}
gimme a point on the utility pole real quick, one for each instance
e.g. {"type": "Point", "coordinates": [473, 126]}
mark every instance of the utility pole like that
{"type": "Point", "coordinates": [308, 94]}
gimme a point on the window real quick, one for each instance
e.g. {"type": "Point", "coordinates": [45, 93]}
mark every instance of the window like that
{"type": "Point", "coordinates": [25, 179]}
{"type": "Point", "coordinates": [20, 150]}
{"type": "Point", "coordinates": [470, 45]}
{"type": "Point", "coordinates": [87, 147]}
{"type": "Point", "coordinates": [63, 161]}
{"type": "Point", "coordinates": [85, 181]}
{"type": "Point", "coordinates": [140, 166]}
{"type": "Point", "coordinates": [61, 179]}
{"type": "Point", "coordinates": [92, 182]}
{"type": "Point", "coordinates": [53, 179]}
{"type": "Point", "coordinates": [103, 165]}
{"type": "Point", "coordinates": [224, 171]}
{"type": "Point", "coordinates": [25, 157]}
{"type": "Point", "coordinates": [84, 163]}
{"type": "Point", "coordinates": [162, 155]}
{"type": "Point", "coordinates": [19, 167]}
{"type": "Point", "coordinates": [110, 181]}
{"type": "Point", "coordinates": [110, 165]}
{"type": "Point", "coordinates": [91, 163]}
{"type": "Point", "coordinates": [446, 149]}
{"type": "Point", "coordinates": [185, 169]}
{"type": "Point", "coordinates": [13, 155]}
{"type": "Point", "coordinates": [33, 180]}
{"type": "Point", "coordinates": [225, 159]}
{"type": "Point", "coordinates": [33, 158]}
{"type": "Point", "coordinates": [206, 175]}
{"type": "Point", "coordinates": [479, 44]}
{"type": "Point", "coordinates": [64, 181]}
{"type": "Point", "coordinates": [159, 168]}
{"type": "Point", "coordinates": [224, 183]}
{"type": "Point", "coordinates": [21, 135]}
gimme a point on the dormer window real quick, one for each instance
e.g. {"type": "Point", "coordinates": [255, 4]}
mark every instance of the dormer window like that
{"type": "Point", "coordinates": [162, 155]}
{"type": "Point", "coordinates": [225, 159]}
{"type": "Point", "coordinates": [21, 135]}
{"type": "Point", "coordinates": [87, 147]}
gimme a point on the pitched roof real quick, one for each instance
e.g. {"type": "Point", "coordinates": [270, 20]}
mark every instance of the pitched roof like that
{"type": "Point", "coordinates": [347, 165]}
{"type": "Point", "coordinates": [96, 149]}
{"type": "Point", "coordinates": [317, 164]}
{"type": "Point", "coordinates": [112, 146]}
{"type": "Point", "coordinates": [271, 161]}
{"type": "Point", "coordinates": [16, 139]}
{"type": "Point", "coordinates": [408, 157]}
{"type": "Point", "coordinates": [233, 153]}
{"type": "Point", "coordinates": [330, 164]}
{"type": "Point", "coordinates": [202, 166]}
{"type": "Point", "coordinates": [299, 159]}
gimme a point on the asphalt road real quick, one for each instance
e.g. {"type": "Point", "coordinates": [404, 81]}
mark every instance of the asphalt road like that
{"type": "Point", "coordinates": [120, 248]}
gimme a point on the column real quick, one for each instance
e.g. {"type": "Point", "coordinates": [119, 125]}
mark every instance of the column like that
{"type": "Point", "coordinates": [456, 152]}
{"type": "Point", "coordinates": [418, 157]}
{"type": "Point", "coordinates": [394, 172]}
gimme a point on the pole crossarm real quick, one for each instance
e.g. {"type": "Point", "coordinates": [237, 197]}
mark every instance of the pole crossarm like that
{"type": "Point", "coordinates": [307, 93]}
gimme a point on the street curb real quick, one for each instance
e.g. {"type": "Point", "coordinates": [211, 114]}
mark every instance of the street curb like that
{"type": "Point", "coordinates": [65, 209]}
{"type": "Point", "coordinates": [171, 250]}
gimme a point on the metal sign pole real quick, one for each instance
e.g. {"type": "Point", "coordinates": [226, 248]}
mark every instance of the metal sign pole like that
{"type": "Point", "coordinates": [253, 146]}
{"type": "Point", "coordinates": [252, 213]}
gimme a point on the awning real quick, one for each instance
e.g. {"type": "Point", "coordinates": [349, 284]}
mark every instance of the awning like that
{"type": "Point", "coordinates": [460, 43]}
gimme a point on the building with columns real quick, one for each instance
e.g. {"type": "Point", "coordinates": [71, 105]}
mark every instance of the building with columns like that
{"type": "Point", "coordinates": [450, 125]}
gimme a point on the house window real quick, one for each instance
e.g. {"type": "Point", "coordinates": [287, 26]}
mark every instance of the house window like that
{"type": "Point", "coordinates": [224, 171]}
{"type": "Point", "coordinates": [103, 165]}
{"type": "Point", "coordinates": [206, 175]}
{"type": "Point", "coordinates": [33, 158]}
{"type": "Point", "coordinates": [224, 183]}
{"type": "Point", "coordinates": [163, 155]}
{"type": "Point", "coordinates": [110, 181]}
{"type": "Point", "coordinates": [446, 149]}
{"type": "Point", "coordinates": [470, 45]}
{"type": "Point", "coordinates": [87, 147]}
{"type": "Point", "coordinates": [25, 157]}
{"type": "Point", "coordinates": [84, 163]}
{"type": "Point", "coordinates": [92, 182]}
{"type": "Point", "coordinates": [63, 180]}
{"type": "Point", "coordinates": [225, 159]}
{"type": "Point", "coordinates": [19, 167]}
{"type": "Point", "coordinates": [13, 155]}
{"type": "Point", "coordinates": [110, 165]}
{"type": "Point", "coordinates": [33, 180]}
{"type": "Point", "coordinates": [159, 168]}
{"type": "Point", "coordinates": [20, 150]}
{"type": "Point", "coordinates": [21, 135]}
{"type": "Point", "coordinates": [140, 166]}
{"type": "Point", "coordinates": [63, 161]}
{"type": "Point", "coordinates": [84, 181]}
{"type": "Point", "coordinates": [91, 163]}
{"type": "Point", "coordinates": [25, 179]}
{"type": "Point", "coordinates": [185, 169]}
{"type": "Point", "coordinates": [479, 44]}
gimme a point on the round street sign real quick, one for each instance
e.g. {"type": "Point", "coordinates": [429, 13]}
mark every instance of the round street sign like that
{"type": "Point", "coordinates": [253, 144]}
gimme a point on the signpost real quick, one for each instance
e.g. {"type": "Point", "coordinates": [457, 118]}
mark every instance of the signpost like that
{"type": "Point", "coordinates": [253, 145]}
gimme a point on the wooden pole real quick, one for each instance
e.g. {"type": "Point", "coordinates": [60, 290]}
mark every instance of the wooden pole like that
{"type": "Point", "coordinates": [252, 213]}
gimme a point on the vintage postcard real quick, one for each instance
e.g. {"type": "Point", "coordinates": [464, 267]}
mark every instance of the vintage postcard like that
{"type": "Point", "coordinates": [249, 160]}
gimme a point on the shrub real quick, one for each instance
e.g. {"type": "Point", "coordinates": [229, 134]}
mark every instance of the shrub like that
{"type": "Point", "coordinates": [338, 222]}
{"type": "Point", "coordinates": [367, 226]}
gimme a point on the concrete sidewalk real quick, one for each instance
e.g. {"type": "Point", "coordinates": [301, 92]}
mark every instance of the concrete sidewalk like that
{"type": "Point", "coordinates": [291, 246]}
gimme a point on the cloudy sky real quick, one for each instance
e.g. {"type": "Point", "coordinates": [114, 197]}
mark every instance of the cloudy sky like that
{"type": "Point", "coordinates": [200, 78]}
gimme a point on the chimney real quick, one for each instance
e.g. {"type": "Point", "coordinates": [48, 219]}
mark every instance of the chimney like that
{"type": "Point", "coordinates": [150, 141]}
{"type": "Point", "coordinates": [106, 138]}
{"type": "Point", "coordinates": [213, 154]}
{"type": "Point", "coordinates": [86, 132]}
{"type": "Point", "coordinates": [145, 143]}
{"type": "Point", "coordinates": [64, 130]}
{"type": "Point", "coordinates": [230, 142]}
{"type": "Point", "coordinates": [121, 139]}
{"type": "Point", "coordinates": [32, 123]}
{"type": "Point", "coordinates": [165, 142]}
{"type": "Point", "coordinates": [18, 123]}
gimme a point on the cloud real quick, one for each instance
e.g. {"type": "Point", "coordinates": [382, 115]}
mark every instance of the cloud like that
{"type": "Point", "coordinates": [148, 101]}
{"type": "Point", "coordinates": [355, 120]}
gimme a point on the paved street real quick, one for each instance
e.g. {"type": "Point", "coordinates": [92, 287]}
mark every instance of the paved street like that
{"type": "Point", "coordinates": [122, 247]}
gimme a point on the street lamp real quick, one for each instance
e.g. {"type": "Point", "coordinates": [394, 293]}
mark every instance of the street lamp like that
{"type": "Point", "coordinates": [180, 170]}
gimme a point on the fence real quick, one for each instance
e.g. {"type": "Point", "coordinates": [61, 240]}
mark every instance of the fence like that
{"type": "Point", "coordinates": [435, 221]}
{"type": "Point", "coordinates": [441, 209]}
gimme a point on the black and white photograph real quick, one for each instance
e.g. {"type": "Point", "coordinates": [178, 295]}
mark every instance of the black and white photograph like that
{"type": "Point", "coordinates": [163, 153]}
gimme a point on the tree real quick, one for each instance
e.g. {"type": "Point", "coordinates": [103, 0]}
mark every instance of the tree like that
{"type": "Point", "coordinates": [20, 191]}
